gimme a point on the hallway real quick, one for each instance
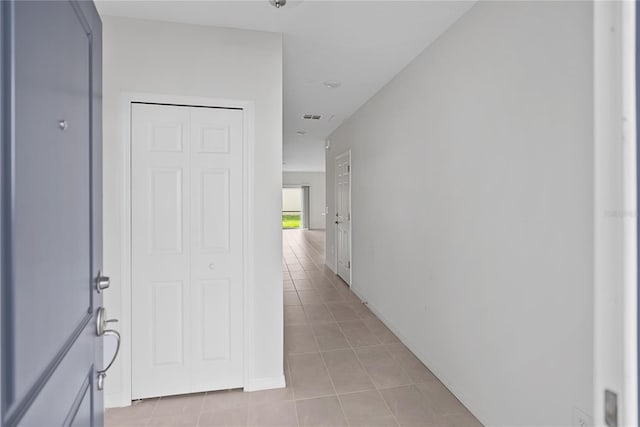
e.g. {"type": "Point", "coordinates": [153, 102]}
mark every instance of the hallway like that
{"type": "Point", "coordinates": [343, 366]}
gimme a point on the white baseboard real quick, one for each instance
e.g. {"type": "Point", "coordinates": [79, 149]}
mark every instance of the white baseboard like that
{"type": "Point", "coordinates": [257, 384]}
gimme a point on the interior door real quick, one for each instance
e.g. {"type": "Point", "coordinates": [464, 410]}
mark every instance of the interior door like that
{"type": "Point", "coordinates": [187, 249]}
{"type": "Point", "coordinates": [343, 215]}
{"type": "Point", "coordinates": [51, 224]}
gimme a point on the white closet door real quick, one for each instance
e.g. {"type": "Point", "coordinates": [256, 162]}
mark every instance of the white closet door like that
{"type": "Point", "coordinates": [343, 215]}
{"type": "Point", "coordinates": [187, 249]}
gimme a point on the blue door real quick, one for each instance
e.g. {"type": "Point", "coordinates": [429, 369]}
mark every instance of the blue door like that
{"type": "Point", "coordinates": [51, 214]}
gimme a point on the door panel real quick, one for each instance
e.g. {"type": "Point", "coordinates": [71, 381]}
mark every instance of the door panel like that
{"type": "Point", "coordinates": [343, 216]}
{"type": "Point", "coordinates": [168, 340]}
{"type": "Point", "coordinates": [165, 212]}
{"type": "Point", "coordinates": [51, 225]}
{"type": "Point", "coordinates": [216, 338]}
{"type": "Point", "coordinates": [217, 248]}
{"type": "Point", "coordinates": [187, 249]}
{"type": "Point", "coordinates": [53, 228]}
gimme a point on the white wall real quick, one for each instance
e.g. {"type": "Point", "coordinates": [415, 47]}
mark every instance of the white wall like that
{"type": "Point", "coordinates": [188, 60]}
{"type": "Point", "coordinates": [316, 183]}
{"type": "Point", "coordinates": [303, 154]}
{"type": "Point", "coordinates": [486, 141]}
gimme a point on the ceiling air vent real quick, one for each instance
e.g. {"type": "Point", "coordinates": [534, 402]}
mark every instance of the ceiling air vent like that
{"type": "Point", "coordinates": [311, 117]}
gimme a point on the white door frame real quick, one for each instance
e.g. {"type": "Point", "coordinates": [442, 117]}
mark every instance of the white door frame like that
{"type": "Point", "coordinates": [335, 201]}
{"type": "Point", "coordinates": [615, 211]}
{"type": "Point", "coordinates": [248, 191]}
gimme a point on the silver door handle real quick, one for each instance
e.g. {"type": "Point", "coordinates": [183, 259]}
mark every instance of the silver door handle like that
{"type": "Point", "coordinates": [103, 373]}
{"type": "Point", "coordinates": [102, 282]}
{"type": "Point", "coordinates": [101, 331]}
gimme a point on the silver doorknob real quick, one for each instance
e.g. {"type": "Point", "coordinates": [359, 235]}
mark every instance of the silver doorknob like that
{"type": "Point", "coordinates": [102, 282]}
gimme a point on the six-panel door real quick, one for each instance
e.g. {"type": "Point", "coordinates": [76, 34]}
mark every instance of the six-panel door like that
{"type": "Point", "coordinates": [343, 216]}
{"type": "Point", "coordinates": [187, 249]}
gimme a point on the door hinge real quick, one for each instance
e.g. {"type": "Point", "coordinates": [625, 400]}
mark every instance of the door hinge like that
{"type": "Point", "coordinates": [610, 408]}
{"type": "Point", "coordinates": [348, 168]}
{"type": "Point", "coordinates": [348, 264]}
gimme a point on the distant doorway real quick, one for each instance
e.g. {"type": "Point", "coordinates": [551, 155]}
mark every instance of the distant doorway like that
{"type": "Point", "coordinates": [295, 207]}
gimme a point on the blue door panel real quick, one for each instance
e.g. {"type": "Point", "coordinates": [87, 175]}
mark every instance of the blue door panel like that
{"type": "Point", "coordinates": [82, 415]}
{"type": "Point", "coordinates": [51, 213]}
{"type": "Point", "coordinates": [52, 184]}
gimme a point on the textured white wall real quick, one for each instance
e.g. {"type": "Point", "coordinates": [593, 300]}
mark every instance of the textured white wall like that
{"type": "Point", "coordinates": [190, 60]}
{"type": "Point", "coordinates": [486, 142]}
{"type": "Point", "coordinates": [316, 183]}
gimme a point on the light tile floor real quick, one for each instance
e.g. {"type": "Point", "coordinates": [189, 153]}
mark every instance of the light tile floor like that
{"type": "Point", "coordinates": [343, 366]}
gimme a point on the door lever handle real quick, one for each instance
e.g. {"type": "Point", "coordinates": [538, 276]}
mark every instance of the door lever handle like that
{"type": "Point", "coordinates": [102, 374]}
{"type": "Point", "coordinates": [101, 331]}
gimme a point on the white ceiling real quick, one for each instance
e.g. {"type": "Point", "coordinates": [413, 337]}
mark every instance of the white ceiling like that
{"type": "Point", "coordinates": [361, 44]}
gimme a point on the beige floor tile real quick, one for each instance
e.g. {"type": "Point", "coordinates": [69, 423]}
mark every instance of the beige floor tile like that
{"type": "Point", "coordinates": [188, 419]}
{"type": "Point", "coordinates": [270, 396]}
{"type": "Point", "coordinates": [294, 314]}
{"type": "Point", "coordinates": [346, 372]}
{"type": "Point", "coordinates": [318, 314]}
{"type": "Point", "coordinates": [303, 284]}
{"type": "Point", "coordinates": [291, 298]}
{"type": "Point", "coordinates": [440, 399]}
{"type": "Point", "coordinates": [276, 414]}
{"type": "Point", "coordinates": [309, 376]}
{"type": "Point", "coordinates": [321, 412]}
{"type": "Point", "coordinates": [317, 274]}
{"type": "Point", "coordinates": [384, 371]}
{"type": "Point", "coordinates": [217, 400]}
{"type": "Point", "coordinates": [111, 421]}
{"type": "Point", "coordinates": [172, 405]}
{"type": "Point", "coordinates": [342, 312]}
{"type": "Point", "coordinates": [331, 295]}
{"type": "Point", "coordinates": [297, 275]}
{"type": "Point", "coordinates": [408, 406]}
{"type": "Point", "coordinates": [369, 421]}
{"type": "Point", "coordinates": [299, 339]}
{"type": "Point", "coordinates": [358, 334]}
{"type": "Point", "coordinates": [329, 336]}
{"type": "Point", "coordinates": [309, 297]}
{"type": "Point", "coordinates": [229, 417]}
{"type": "Point", "coordinates": [410, 363]}
{"type": "Point", "coordinates": [358, 307]}
{"type": "Point", "coordinates": [138, 413]}
{"type": "Point", "coordinates": [366, 408]}
{"type": "Point", "coordinates": [380, 330]}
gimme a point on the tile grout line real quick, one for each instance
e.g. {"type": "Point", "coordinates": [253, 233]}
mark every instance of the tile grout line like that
{"type": "Point", "coordinates": [324, 362]}
{"type": "Point", "coordinates": [353, 349]}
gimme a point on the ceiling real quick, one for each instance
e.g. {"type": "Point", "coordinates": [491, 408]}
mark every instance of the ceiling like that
{"type": "Point", "coordinates": [360, 44]}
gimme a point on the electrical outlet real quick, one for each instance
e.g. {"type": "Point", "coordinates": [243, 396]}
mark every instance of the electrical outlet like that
{"type": "Point", "coordinates": [581, 419]}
